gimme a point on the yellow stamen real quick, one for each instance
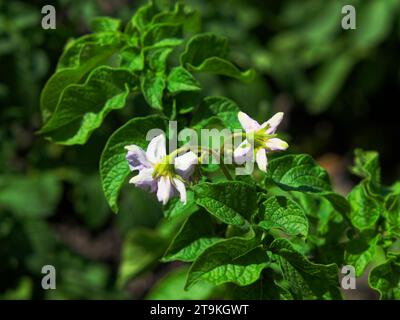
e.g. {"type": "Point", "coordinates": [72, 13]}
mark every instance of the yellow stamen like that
{"type": "Point", "coordinates": [164, 168]}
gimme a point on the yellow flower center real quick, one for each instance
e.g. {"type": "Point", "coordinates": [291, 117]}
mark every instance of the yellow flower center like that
{"type": "Point", "coordinates": [260, 137]}
{"type": "Point", "coordinates": [164, 168]}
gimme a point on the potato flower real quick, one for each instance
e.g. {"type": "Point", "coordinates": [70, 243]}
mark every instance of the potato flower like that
{"type": "Point", "coordinates": [158, 172]}
{"type": "Point", "coordinates": [260, 140]}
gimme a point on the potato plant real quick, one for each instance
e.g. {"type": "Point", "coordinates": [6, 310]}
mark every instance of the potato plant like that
{"type": "Point", "coordinates": [278, 232]}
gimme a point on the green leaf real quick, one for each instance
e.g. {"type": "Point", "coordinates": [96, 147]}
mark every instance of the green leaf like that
{"type": "Point", "coordinates": [182, 14]}
{"type": "Point", "coordinates": [237, 260]}
{"type": "Point", "coordinates": [303, 274]}
{"type": "Point", "coordinates": [23, 291]}
{"type": "Point", "coordinates": [114, 168]}
{"type": "Point", "coordinates": [196, 234]}
{"type": "Point", "coordinates": [366, 203]}
{"type": "Point", "coordinates": [365, 206]}
{"type": "Point", "coordinates": [219, 105]}
{"type": "Point", "coordinates": [30, 196]}
{"type": "Point", "coordinates": [385, 278]}
{"type": "Point", "coordinates": [301, 173]}
{"type": "Point", "coordinates": [143, 16]}
{"type": "Point", "coordinates": [392, 213]}
{"type": "Point", "coordinates": [203, 46]}
{"type": "Point", "coordinates": [298, 173]}
{"type": "Point", "coordinates": [141, 249]}
{"type": "Point", "coordinates": [153, 82]}
{"type": "Point", "coordinates": [162, 35]}
{"type": "Point", "coordinates": [207, 53]}
{"type": "Point", "coordinates": [296, 285]}
{"type": "Point", "coordinates": [102, 24]}
{"type": "Point", "coordinates": [220, 113]}
{"type": "Point", "coordinates": [263, 289]}
{"type": "Point", "coordinates": [360, 252]}
{"type": "Point", "coordinates": [374, 22]}
{"type": "Point", "coordinates": [175, 208]}
{"type": "Point", "coordinates": [222, 67]}
{"type": "Point", "coordinates": [152, 88]}
{"type": "Point", "coordinates": [158, 60]}
{"type": "Point", "coordinates": [95, 46]}
{"type": "Point", "coordinates": [132, 59]}
{"type": "Point", "coordinates": [366, 165]}
{"type": "Point", "coordinates": [82, 107]}
{"type": "Point", "coordinates": [283, 213]}
{"type": "Point", "coordinates": [395, 187]}
{"type": "Point", "coordinates": [79, 58]}
{"type": "Point", "coordinates": [226, 110]}
{"type": "Point", "coordinates": [338, 202]}
{"type": "Point", "coordinates": [171, 287]}
{"type": "Point", "coordinates": [179, 79]}
{"type": "Point", "coordinates": [329, 80]}
{"type": "Point", "coordinates": [231, 202]}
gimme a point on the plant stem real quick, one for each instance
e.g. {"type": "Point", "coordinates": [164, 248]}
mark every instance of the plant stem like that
{"type": "Point", "coordinates": [176, 152]}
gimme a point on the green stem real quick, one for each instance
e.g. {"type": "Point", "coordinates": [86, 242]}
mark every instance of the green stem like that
{"type": "Point", "coordinates": [225, 171]}
{"type": "Point", "coordinates": [222, 153]}
{"type": "Point", "coordinates": [176, 152]}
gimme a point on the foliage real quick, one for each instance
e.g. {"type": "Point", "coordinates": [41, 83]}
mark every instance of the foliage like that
{"type": "Point", "coordinates": [274, 228]}
{"type": "Point", "coordinates": [283, 234]}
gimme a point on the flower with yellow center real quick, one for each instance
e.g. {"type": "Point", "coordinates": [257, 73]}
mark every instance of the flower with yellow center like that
{"type": "Point", "coordinates": [158, 172]}
{"type": "Point", "coordinates": [260, 140]}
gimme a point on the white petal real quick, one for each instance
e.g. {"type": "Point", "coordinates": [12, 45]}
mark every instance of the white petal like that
{"type": "Point", "coordinates": [261, 159]}
{"type": "Point", "coordinates": [156, 149]}
{"type": "Point", "coordinates": [136, 158]}
{"type": "Point", "coordinates": [185, 164]}
{"type": "Point", "coordinates": [242, 152]}
{"type": "Point", "coordinates": [180, 186]}
{"type": "Point", "coordinates": [164, 192]}
{"type": "Point", "coordinates": [144, 178]}
{"type": "Point", "coordinates": [273, 123]}
{"type": "Point", "coordinates": [248, 123]}
{"type": "Point", "coordinates": [276, 144]}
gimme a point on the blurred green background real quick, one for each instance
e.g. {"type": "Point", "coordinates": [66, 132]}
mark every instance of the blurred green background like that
{"type": "Point", "coordinates": [339, 89]}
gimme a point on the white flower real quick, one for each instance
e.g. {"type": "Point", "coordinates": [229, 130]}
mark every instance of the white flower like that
{"type": "Point", "coordinates": [157, 173]}
{"type": "Point", "coordinates": [263, 138]}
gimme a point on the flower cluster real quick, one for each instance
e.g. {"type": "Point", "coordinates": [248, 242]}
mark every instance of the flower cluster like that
{"type": "Point", "coordinates": [166, 174]}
